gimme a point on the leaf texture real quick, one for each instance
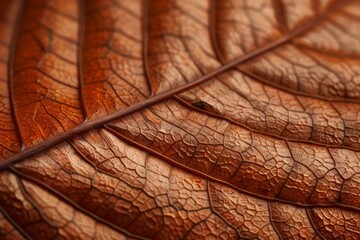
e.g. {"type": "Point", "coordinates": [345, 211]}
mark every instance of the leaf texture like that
{"type": "Point", "coordinates": [181, 119]}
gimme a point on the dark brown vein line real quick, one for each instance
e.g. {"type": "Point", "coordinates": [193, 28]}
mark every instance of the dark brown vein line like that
{"type": "Point", "coordinates": [113, 130]}
{"type": "Point", "coordinates": [242, 125]}
{"type": "Point", "coordinates": [169, 94]}
{"type": "Point", "coordinates": [71, 203]}
{"type": "Point", "coordinates": [96, 167]}
{"type": "Point", "coordinates": [292, 91]}
{"type": "Point", "coordinates": [216, 213]}
{"type": "Point", "coordinates": [191, 229]}
{"type": "Point", "coordinates": [81, 36]}
{"type": "Point", "coordinates": [32, 202]}
{"type": "Point", "coordinates": [212, 29]}
{"type": "Point", "coordinates": [145, 44]}
{"type": "Point", "coordinates": [272, 222]}
{"type": "Point", "coordinates": [14, 40]}
{"type": "Point", "coordinates": [331, 53]}
{"type": "Point", "coordinates": [280, 15]}
{"type": "Point", "coordinates": [14, 223]}
{"type": "Point", "coordinates": [313, 224]}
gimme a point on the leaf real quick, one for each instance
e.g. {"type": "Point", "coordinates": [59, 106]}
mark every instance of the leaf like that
{"type": "Point", "coordinates": [179, 119]}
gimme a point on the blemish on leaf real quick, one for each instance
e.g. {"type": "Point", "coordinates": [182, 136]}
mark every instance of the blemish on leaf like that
{"type": "Point", "coordinates": [205, 106]}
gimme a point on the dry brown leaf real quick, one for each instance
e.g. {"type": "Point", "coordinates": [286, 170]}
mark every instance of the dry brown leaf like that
{"type": "Point", "coordinates": [181, 119]}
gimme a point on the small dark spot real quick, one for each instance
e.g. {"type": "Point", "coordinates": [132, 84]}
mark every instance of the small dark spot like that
{"type": "Point", "coordinates": [202, 105]}
{"type": "Point", "coordinates": [205, 106]}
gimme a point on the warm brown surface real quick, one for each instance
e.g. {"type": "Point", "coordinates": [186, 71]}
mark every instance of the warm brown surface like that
{"type": "Point", "coordinates": [180, 119]}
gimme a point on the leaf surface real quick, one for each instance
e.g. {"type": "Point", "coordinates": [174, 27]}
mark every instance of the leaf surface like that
{"type": "Point", "coordinates": [179, 119]}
